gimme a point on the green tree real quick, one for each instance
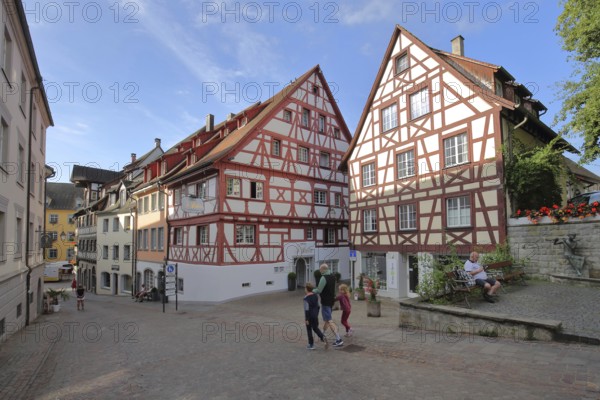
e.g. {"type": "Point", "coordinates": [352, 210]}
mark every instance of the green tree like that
{"type": "Point", "coordinates": [579, 27]}
{"type": "Point", "coordinates": [533, 176]}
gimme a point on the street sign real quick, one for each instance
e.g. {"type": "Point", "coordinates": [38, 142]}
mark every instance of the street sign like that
{"type": "Point", "coordinates": [170, 269]}
{"type": "Point", "coordinates": [170, 292]}
{"type": "Point", "coordinates": [170, 286]}
{"type": "Point", "coordinates": [352, 255]}
{"type": "Point", "coordinates": [169, 279]}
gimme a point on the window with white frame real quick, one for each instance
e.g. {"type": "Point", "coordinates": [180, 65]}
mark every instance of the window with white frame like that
{"type": "Point", "coordinates": [419, 103]}
{"type": "Point", "coordinates": [458, 211]}
{"type": "Point", "coordinates": [127, 252]}
{"type": "Point", "coordinates": [256, 190]}
{"type": "Point", "coordinates": [329, 236]}
{"type": "Point", "coordinates": [178, 236]}
{"type": "Point", "coordinates": [324, 160]}
{"type": "Point", "coordinates": [332, 264]}
{"type": "Point", "coordinates": [321, 123]}
{"type": "Point", "coordinates": [277, 148]}
{"type": "Point", "coordinates": [180, 285]}
{"type": "Point", "coordinates": [18, 238]}
{"type": "Point", "coordinates": [105, 252]}
{"type": "Point", "coordinates": [146, 204]}
{"type": "Point", "coordinates": [309, 233]}
{"type": "Point", "coordinates": [2, 235]}
{"type": "Point", "coordinates": [7, 54]}
{"type": "Point", "coordinates": [389, 117]}
{"type": "Point", "coordinates": [21, 165]}
{"type": "Point", "coordinates": [153, 239]}
{"type": "Point", "coordinates": [153, 201]}
{"type": "Point", "coordinates": [177, 196]}
{"type": "Point", "coordinates": [368, 175]}
{"type": "Point", "coordinates": [233, 186]}
{"type": "Point", "coordinates": [201, 234]}
{"type": "Point", "coordinates": [3, 143]}
{"type": "Point", "coordinates": [287, 115]}
{"type": "Point", "coordinates": [116, 224]}
{"type": "Point", "coordinates": [161, 239]}
{"type": "Point", "coordinates": [54, 218]}
{"type": "Point", "coordinates": [407, 217]}
{"type": "Point", "coordinates": [305, 117]}
{"type": "Point", "coordinates": [127, 223]}
{"type": "Point", "coordinates": [202, 190]}
{"type": "Point", "coordinates": [23, 87]}
{"type": "Point", "coordinates": [402, 63]}
{"type": "Point", "coordinates": [456, 150]}
{"type": "Point", "coordinates": [321, 197]}
{"type": "Point", "coordinates": [52, 253]}
{"type": "Point", "coordinates": [303, 154]}
{"type": "Point", "coordinates": [161, 201]}
{"type": "Point", "coordinates": [145, 239]}
{"type": "Point", "coordinates": [115, 252]}
{"type": "Point", "coordinates": [370, 220]}
{"type": "Point", "coordinates": [337, 199]}
{"type": "Point", "coordinates": [244, 234]}
{"type": "Point", "coordinates": [105, 225]}
{"type": "Point", "coordinates": [148, 279]}
{"type": "Point", "coordinates": [406, 164]}
{"type": "Point", "coordinates": [336, 133]}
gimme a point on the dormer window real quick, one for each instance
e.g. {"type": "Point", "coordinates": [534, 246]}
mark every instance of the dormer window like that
{"type": "Point", "coordinates": [498, 88]}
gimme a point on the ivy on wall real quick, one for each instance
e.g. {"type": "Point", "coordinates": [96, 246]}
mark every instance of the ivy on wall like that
{"type": "Point", "coordinates": [533, 175]}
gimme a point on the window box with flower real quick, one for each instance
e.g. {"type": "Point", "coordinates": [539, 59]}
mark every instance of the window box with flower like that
{"type": "Point", "coordinates": [558, 215]}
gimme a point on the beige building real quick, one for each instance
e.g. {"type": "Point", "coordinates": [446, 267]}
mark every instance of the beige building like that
{"type": "Point", "coordinates": [24, 118]}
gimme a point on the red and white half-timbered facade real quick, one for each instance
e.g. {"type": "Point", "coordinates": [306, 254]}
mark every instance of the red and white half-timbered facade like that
{"type": "Point", "coordinates": [261, 195]}
{"type": "Point", "coordinates": [425, 163]}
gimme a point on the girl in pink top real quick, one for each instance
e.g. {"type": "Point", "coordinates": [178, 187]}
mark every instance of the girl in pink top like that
{"type": "Point", "coordinates": [344, 298]}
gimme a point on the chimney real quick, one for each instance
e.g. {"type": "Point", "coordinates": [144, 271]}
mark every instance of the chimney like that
{"type": "Point", "coordinates": [230, 116]}
{"type": "Point", "coordinates": [157, 141]}
{"type": "Point", "coordinates": [210, 122]}
{"type": "Point", "coordinates": [458, 45]}
{"type": "Point", "coordinates": [133, 156]}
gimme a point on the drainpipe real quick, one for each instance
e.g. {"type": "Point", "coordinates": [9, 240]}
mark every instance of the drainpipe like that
{"type": "Point", "coordinates": [28, 208]}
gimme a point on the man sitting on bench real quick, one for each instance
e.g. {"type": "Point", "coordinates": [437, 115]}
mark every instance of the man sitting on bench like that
{"type": "Point", "coordinates": [489, 285]}
{"type": "Point", "coordinates": [141, 294]}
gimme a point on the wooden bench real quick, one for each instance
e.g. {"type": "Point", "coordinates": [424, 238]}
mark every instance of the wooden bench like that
{"type": "Point", "coordinates": [505, 272]}
{"type": "Point", "coordinates": [463, 286]}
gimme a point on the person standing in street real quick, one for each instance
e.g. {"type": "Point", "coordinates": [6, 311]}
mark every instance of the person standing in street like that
{"type": "Point", "coordinates": [80, 297]}
{"type": "Point", "coordinates": [344, 298]}
{"type": "Point", "coordinates": [326, 289]}
{"type": "Point", "coordinates": [311, 316]}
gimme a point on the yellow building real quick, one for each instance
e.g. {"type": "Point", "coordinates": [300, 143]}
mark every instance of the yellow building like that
{"type": "Point", "coordinates": [62, 200]}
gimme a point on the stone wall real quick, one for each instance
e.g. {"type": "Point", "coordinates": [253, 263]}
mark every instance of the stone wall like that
{"type": "Point", "coordinates": [534, 244]}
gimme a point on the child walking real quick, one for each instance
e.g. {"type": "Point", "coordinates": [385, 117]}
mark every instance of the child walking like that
{"type": "Point", "coordinates": [344, 298]}
{"type": "Point", "coordinates": [311, 316]}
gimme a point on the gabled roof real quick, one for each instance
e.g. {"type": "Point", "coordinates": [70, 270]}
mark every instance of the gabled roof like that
{"type": "Point", "coordinates": [226, 146]}
{"type": "Point", "coordinates": [452, 63]}
{"type": "Point", "coordinates": [139, 161]}
{"type": "Point", "coordinates": [63, 196]}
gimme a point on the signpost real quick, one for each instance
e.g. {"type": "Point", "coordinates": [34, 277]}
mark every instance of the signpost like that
{"type": "Point", "coordinates": [352, 255]}
{"type": "Point", "coordinates": [170, 282]}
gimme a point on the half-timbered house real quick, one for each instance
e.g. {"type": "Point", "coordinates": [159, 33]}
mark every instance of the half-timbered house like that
{"type": "Point", "coordinates": [260, 195]}
{"type": "Point", "coordinates": [425, 163]}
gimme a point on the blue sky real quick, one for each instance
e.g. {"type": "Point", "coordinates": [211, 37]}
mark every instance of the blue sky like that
{"type": "Point", "coordinates": [120, 73]}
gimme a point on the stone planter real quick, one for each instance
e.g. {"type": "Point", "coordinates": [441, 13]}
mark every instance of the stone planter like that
{"type": "Point", "coordinates": [55, 307]}
{"type": "Point", "coordinates": [373, 308]}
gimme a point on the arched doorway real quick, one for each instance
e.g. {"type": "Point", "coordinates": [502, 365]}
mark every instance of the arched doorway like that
{"type": "Point", "coordinates": [302, 272]}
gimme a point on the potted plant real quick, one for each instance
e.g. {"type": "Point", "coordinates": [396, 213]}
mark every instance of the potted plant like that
{"type": "Point", "coordinates": [360, 291]}
{"type": "Point", "coordinates": [373, 305]}
{"type": "Point", "coordinates": [317, 275]}
{"type": "Point", "coordinates": [53, 296]}
{"type": "Point", "coordinates": [291, 281]}
{"type": "Point", "coordinates": [338, 277]}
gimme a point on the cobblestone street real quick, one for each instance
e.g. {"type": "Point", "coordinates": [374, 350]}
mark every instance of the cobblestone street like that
{"type": "Point", "coordinates": [255, 348]}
